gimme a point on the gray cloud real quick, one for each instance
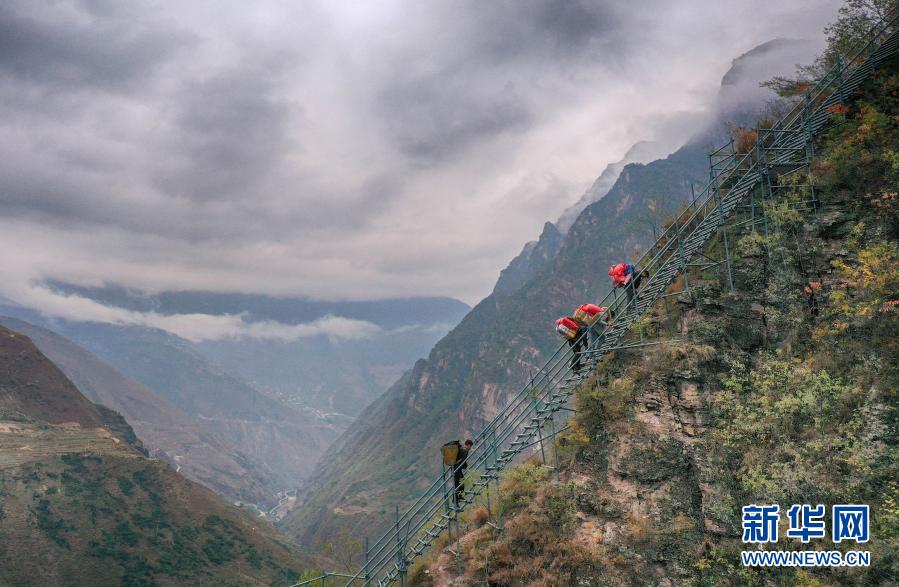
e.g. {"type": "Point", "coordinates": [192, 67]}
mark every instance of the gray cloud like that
{"type": "Point", "coordinates": [194, 327]}
{"type": "Point", "coordinates": [334, 149]}
{"type": "Point", "coordinates": [85, 44]}
{"type": "Point", "coordinates": [449, 100]}
{"type": "Point", "coordinates": [231, 135]}
{"type": "Point", "coordinates": [544, 29]}
{"type": "Point", "coordinates": [430, 119]}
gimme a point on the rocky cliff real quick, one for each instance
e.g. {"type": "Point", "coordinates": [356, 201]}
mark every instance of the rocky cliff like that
{"type": "Point", "coordinates": [782, 391]}
{"type": "Point", "coordinates": [388, 456]}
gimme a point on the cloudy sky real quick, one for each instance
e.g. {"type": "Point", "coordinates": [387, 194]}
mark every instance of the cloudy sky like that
{"type": "Point", "coordinates": [334, 149]}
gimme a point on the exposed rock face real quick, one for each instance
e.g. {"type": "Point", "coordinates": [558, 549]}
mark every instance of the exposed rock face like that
{"type": "Point", "coordinates": [533, 258]}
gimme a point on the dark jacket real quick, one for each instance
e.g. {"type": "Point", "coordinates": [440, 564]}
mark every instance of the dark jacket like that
{"type": "Point", "coordinates": [462, 459]}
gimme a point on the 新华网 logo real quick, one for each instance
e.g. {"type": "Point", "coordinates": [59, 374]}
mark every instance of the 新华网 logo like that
{"type": "Point", "coordinates": [848, 522]}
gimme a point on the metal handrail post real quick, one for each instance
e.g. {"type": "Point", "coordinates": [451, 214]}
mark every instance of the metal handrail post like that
{"type": "Point", "coordinates": [839, 67]}
{"type": "Point", "coordinates": [367, 578]}
{"type": "Point", "coordinates": [552, 424]}
{"type": "Point", "coordinates": [400, 554]}
{"type": "Point", "coordinates": [722, 220]}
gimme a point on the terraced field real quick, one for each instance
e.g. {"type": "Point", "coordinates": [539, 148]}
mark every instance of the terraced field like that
{"type": "Point", "coordinates": [23, 443]}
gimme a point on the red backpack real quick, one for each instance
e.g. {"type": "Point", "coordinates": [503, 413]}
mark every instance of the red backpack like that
{"type": "Point", "coordinates": [618, 273]}
{"type": "Point", "coordinates": [567, 327]}
{"type": "Point", "coordinates": [588, 314]}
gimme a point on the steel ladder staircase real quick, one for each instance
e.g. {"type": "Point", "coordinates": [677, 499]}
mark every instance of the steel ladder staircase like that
{"type": "Point", "coordinates": [784, 148]}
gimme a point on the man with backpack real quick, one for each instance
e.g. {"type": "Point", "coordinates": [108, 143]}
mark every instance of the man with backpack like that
{"type": "Point", "coordinates": [459, 471]}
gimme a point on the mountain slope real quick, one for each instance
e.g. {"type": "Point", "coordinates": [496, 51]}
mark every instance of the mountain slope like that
{"type": "Point", "coordinates": [284, 440]}
{"type": "Point", "coordinates": [533, 258]}
{"type": "Point", "coordinates": [82, 505]}
{"type": "Point", "coordinates": [279, 442]}
{"type": "Point", "coordinates": [781, 392]}
{"type": "Point", "coordinates": [167, 432]}
{"type": "Point", "coordinates": [642, 152]}
{"type": "Point", "coordinates": [469, 374]}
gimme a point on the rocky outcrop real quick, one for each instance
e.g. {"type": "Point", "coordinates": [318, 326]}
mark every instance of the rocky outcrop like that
{"type": "Point", "coordinates": [532, 259]}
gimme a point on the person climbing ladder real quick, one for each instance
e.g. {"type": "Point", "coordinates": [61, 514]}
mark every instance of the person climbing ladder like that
{"type": "Point", "coordinates": [593, 317]}
{"type": "Point", "coordinates": [575, 334]}
{"type": "Point", "coordinates": [455, 459]}
{"type": "Point", "coordinates": [624, 275]}
{"type": "Point", "coordinates": [459, 472]}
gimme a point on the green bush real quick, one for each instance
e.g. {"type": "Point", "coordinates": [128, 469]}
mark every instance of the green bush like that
{"type": "Point", "coordinates": [50, 524]}
{"type": "Point", "coordinates": [520, 483]}
{"type": "Point", "coordinates": [779, 419]}
{"type": "Point", "coordinates": [126, 486]}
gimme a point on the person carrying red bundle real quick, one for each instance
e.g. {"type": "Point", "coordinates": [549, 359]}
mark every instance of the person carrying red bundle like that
{"type": "Point", "coordinates": [625, 275]}
{"type": "Point", "coordinates": [621, 274]}
{"type": "Point", "coordinates": [573, 332]}
{"type": "Point", "coordinates": [590, 315]}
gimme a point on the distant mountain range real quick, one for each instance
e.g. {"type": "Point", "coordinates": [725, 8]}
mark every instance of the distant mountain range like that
{"type": "Point", "coordinates": [391, 454]}
{"type": "Point", "coordinates": [169, 433]}
{"type": "Point", "coordinates": [331, 374]}
{"type": "Point", "coordinates": [235, 414]}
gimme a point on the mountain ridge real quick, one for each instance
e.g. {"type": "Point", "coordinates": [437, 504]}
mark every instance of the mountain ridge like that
{"type": "Point", "coordinates": [262, 431]}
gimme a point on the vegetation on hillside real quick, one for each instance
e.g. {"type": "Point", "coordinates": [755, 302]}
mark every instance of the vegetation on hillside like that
{"type": "Point", "coordinates": [127, 521]}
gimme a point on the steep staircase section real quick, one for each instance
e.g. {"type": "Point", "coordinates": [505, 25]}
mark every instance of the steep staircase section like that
{"type": "Point", "coordinates": [521, 424]}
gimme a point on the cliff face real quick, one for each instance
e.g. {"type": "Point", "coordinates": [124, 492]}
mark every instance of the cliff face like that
{"type": "Point", "coordinates": [385, 457]}
{"type": "Point", "coordinates": [468, 375]}
{"type": "Point", "coordinates": [642, 152]}
{"type": "Point", "coordinates": [781, 392]}
{"type": "Point", "coordinates": [534, 257]}
{"type": "Point", "coordinates": [82, 504]}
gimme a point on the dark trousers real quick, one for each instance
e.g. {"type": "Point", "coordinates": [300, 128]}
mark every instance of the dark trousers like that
{"type": "Point", "coordinates": [576, 345]}
{"type": "Point", "coordinates": [594, 332]}
{"type": "Point", "coordinates": [459, 485]}
{"type": "Point", "coordinates": [632, 286]}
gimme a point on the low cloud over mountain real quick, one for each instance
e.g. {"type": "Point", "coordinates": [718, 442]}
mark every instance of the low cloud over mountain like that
{"type": "Point", "coordinates": [194, 327]}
